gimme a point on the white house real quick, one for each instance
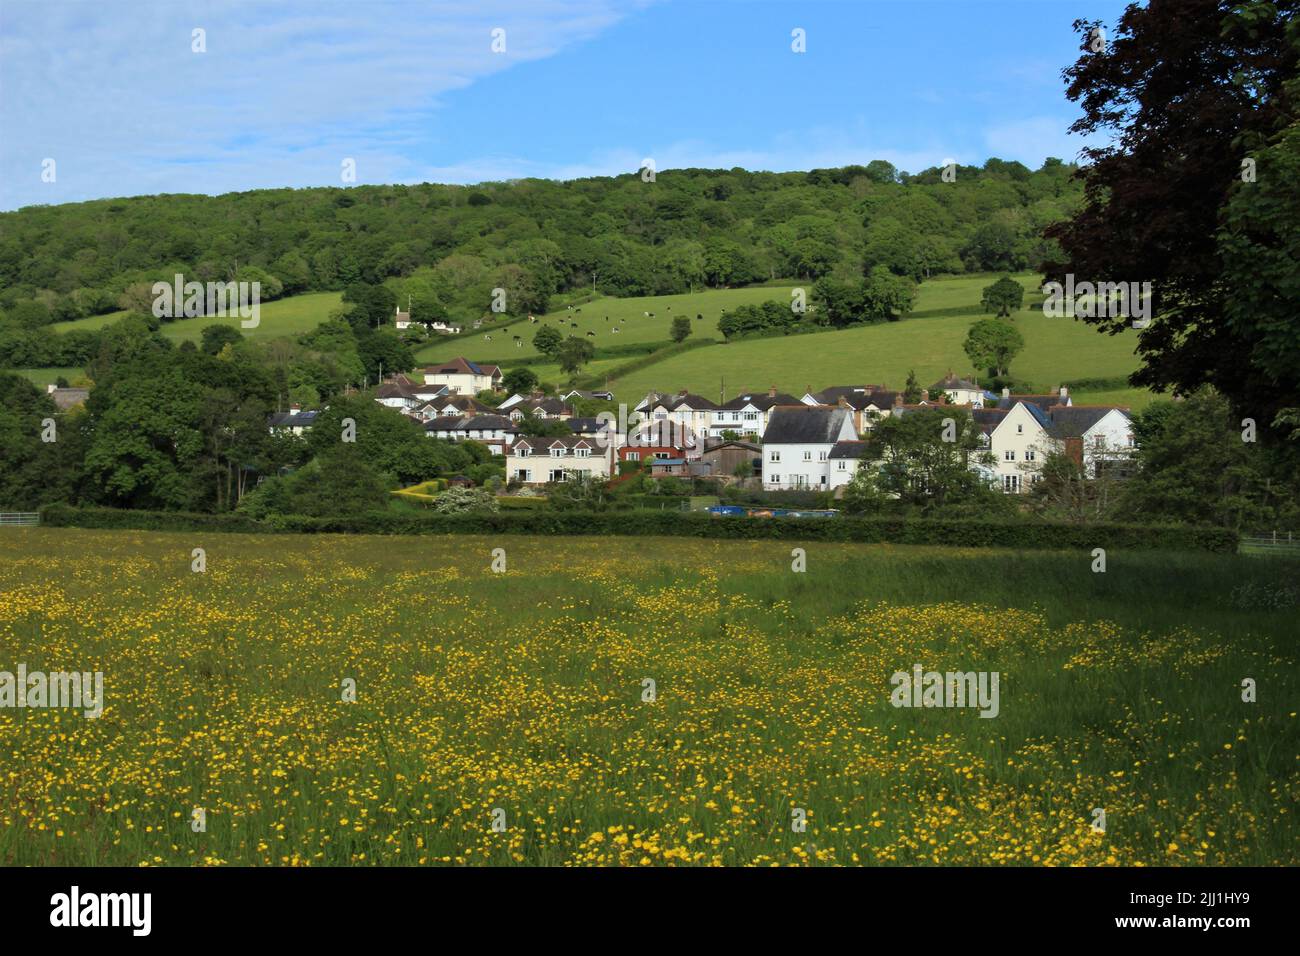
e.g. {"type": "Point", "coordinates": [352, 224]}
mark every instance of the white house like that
{"type": "Point", "coordinates": [1099, 437]}
{"type": "Point", "coordinates": [463, 376]}
{"type": "Point", "coordinates": [295, 420]}
{"type": "Point", "coordinates": [798, 441]}
{"type": "Point", "coordinates": [843, 462]}
{"type": "Point", "coordinates": [536, 461]}
{"type": "Point", "coordinates": [495, 431]}
{"type": "Point", "coordinates": [749, 413]}
{"type": "Point", "coordinates": [959, 391]}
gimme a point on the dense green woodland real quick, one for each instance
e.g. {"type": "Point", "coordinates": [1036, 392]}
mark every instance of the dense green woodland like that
{"type": "Point", "coordinates": [451, 245]}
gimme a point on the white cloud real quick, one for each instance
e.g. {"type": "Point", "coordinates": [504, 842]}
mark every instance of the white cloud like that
{"type": "Point", "coordinates": [115, 95]}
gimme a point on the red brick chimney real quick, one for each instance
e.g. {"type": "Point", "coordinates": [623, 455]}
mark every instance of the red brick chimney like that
{"type": "Point", "coordinates": [771, 391]}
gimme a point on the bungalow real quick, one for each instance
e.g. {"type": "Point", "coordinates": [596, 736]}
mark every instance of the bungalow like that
{"type": "Point", "coordinates": [404, 321]}
{"type": "Point", "coordinates": [295, 421]}
{"type": "Point", "coordinates": [537, 461]}
{"type": "Point", "coordinates": [464, 377]}
{"type": "Point", "coordinates": [65, 398]}
{"type": "Point", "coordinates": [797, 444]}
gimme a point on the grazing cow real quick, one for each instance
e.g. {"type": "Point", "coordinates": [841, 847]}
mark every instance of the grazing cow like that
{"type": "Point", "coordinates": [515, 337]}
{"type": "Point", "coordinates": [576, 311]}
{"type": "Point", "coordinates": [646, 314]}
{"type": "Point", "coordinates": [518, 344]}
{"type": "Point", "coordinates": [592, 334]}
{"type": "Point", "coordinates": [486, 337]}
{"type": "Point", "coordinates": [573, 325]}
{"type": "Point", "coordinates": [652, 315]}
{"type": "Point", "coordinates": [616, 330]}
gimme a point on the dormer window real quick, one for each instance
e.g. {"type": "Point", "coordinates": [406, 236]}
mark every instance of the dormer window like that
{"type": "Point", "coordinates": [557, 452]}
{"type": "Point", "coordinates": [525, 451]}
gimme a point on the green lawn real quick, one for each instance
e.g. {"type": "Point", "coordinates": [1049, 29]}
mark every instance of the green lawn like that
{"type": "Point", "coordinates": [283, 317]}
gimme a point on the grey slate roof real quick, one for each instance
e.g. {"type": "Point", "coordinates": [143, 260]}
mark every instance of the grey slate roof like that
{"type": "Point", "coordinates": [1075, 420]}
{"type": "Point", "coordinates": [849, 449]}
{"type": "Point", "coordinates": [805, 424]}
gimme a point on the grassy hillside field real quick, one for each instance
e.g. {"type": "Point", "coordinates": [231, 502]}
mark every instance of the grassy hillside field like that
{"type": "Point", "coordinates": [524, 694]}
{"type": "Point", "coordinates": [929, 341]}
{"type": "Point", "coordinates": [291, 316]}
{"type": "Point", "coordinates": [627, 315]}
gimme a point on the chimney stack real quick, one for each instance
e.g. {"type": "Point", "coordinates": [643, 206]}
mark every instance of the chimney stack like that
{"type": "Point", "coordinates": [1065, 392]}
{"type": "Point", "coordinates": [49, 389]}
{"type": "Point", "coordinates": [925, 394]}
{"type": "Point", "coordinates": [1006, 393]}
{"type": "Point", "coordinates": [771, 391]}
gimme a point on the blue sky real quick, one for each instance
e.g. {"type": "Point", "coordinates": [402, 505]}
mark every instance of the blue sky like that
{"type": "Point", "coordinates": [412, 90]}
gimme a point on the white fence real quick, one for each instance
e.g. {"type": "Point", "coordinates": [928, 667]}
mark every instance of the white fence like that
{"type": "Point", "coordinates": [1271, 542]}
{"type": "Point", "coordinates": [19, 518]}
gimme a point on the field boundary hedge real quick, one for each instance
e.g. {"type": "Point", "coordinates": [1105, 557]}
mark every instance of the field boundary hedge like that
{"type": "Point", "coordinates": [935, 531]}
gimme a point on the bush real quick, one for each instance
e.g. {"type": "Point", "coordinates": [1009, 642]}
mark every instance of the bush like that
{"type": "Point", "coordinates": [954, 532]}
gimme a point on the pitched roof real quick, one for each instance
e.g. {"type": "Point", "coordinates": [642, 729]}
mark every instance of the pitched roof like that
{"type": "Point", "coordinates": [832, 395]}
{"type": "Point", "coordinates": [950, 382]}
{"type": "Point", "coordinates": [849, 449]}
{"type": "Point", "coordinates": [65, 398]}
{"type": "Point", "coordinates": [760, 400]}
{"type": "Point", "coordinates": [805, 424]}
{"type": "Point", "coordinates": [1073, 421]}
{"type": "Point", "coordinates": [695, 402]}
{"type": "Point", "coordinates": [292, 419]}
{"type": "Point", "coordinates": [462, 366]}
{"type": "Point", "coordinates": [582, 426]}
{"type": "Point", "coordinates": [457, 423]}
{"type": "Point", "coordinates": [569, 441]}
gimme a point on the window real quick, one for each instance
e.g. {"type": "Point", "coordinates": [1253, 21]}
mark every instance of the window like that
{"type": "Point", "coordinates": [751, 416]}
{"type": "Point", "coordinates": [1010, 483]}
{"type": "Point", "coordinates": [525, 452]}
{"type": "Point", "coordinates": [1009, 454]}
{"type": "Point", "coordinates": [634, 456]}
{"type": "Point", "coordinates": [1020, 429]}
{"type": "Point", "coordinates": [776, 479]}
{"type": "Point", "coordinates": [582, 452]}
{"type": "Point", "coordinates": [661, 455]}
{"type": "Point", "coordinates": [821, 456]}
{"type": "Point", "coordinates": [840, 465]}
{"type": "Point", "coordinates": [557, 452]}
{"type": "Point", "coordinates": [557, 475]}
{"type": "Point", "coordinates": [1029, 454]}
{"type": "Point", "coordinates": [523, 474]}
{"type": "Point", "coordinates": [807, 456]}
{"type": "Point", "coordinates": [774, 456]}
